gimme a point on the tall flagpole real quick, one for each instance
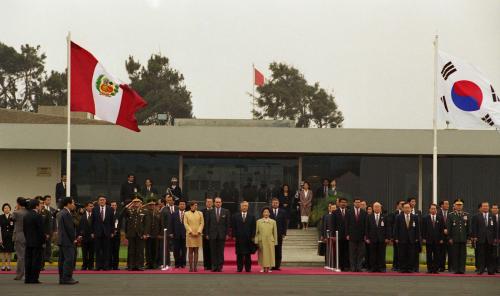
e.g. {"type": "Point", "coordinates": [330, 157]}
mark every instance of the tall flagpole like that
{"type": "Point", "coordinates": [68, 144]}
{"type": "Point", "coordinates": [434, 123]}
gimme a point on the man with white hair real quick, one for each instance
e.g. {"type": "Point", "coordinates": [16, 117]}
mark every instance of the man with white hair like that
{"type": "Point", "coordinates": [378, 234]}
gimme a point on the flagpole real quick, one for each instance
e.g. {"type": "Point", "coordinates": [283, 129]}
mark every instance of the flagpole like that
{"type": "Point", "coordinates": [253, 91]}
{"type": "Point", "coordinates": [434, 124]}
{"type": "Point", "coordinates": [68, 143]}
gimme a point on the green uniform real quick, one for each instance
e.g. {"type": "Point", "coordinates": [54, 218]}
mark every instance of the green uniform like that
{"type": "Point", "coordinates": [134, 233]}
{"type": "Point", "coordinates": [458, 231]}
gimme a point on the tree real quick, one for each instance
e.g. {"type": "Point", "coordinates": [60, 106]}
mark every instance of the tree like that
{"type": "Point", "coordinates": [21, 77]}
{"type": "Point", "coordinates": [54, 90]}
{"type": "Point", "coordinates": [287, 95]}
{"type": "Point", "coordinates": [162, 87]}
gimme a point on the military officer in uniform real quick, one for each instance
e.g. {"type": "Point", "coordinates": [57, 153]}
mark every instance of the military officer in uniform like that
{"type": "Point", "coordinates": [152, 231]}
{"type": "Point", "coordinates": [134, 216]}
{"type": "Point", "coordinates": [458, 231]}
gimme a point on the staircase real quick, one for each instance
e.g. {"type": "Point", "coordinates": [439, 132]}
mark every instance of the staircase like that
{"type": "Point", "coordinates": [300, 248]}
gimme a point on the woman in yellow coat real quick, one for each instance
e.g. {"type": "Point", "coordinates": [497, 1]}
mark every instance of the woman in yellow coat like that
{"type": "Point", "coordinates": [266, 236]}
{"type": "Point", "coordinates": [193, 222]}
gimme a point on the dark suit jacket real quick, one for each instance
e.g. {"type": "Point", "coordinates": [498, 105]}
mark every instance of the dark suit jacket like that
{"type": "Point", "coordinates": [177, 228]}
{"type": "Point", "coordinates": [377, 233]}
{"type": "Point", "coordinates": [244, 232]}
{"type": "Point", "coordinates": [66, 233]}
{"type": "Point", "coordinates": [403, 234]}
{"type": "Point", "coordinates": [147, 193]}
{"type": "Point", "coordinates": [102, 228]}
{"type": "Point", "coordinates": [61, 191]}
{"type": "Point", "coordinates": [217, 230]}
{"type": "Point", "coordinates": [433, 233]}
{"type": "Point", "coordinates": [482, 232]}
{"type": "Point", "coordinates": [85, 227]}
{"type": "Point", "coordinates": [355, 229]}
{"type": "Point", "coordinates": [33, 229]}
{"type": "Point", "coordinates": [327, 223]}
{"type": "Point", "coordinates": [339, 223]}
{"type": "Point", "coordinates": [127, 191]}
{"type": "Point", "coordinates": [281, 220]}
{"type": "Point", "coordinates": [165, 217]}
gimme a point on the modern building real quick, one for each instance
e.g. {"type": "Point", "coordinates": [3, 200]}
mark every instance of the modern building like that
{"type": "Point", "coordinates": [245, 159]}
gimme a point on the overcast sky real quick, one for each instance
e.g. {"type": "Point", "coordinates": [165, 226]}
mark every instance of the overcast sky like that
{"type": "Point", "coordinates": [377, 56]}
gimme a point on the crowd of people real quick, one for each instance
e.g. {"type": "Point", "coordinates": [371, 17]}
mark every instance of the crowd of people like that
{"type": "Point", "coordinates": [155, 225]}
{"type": "Point", "coordinates": [362, 233]}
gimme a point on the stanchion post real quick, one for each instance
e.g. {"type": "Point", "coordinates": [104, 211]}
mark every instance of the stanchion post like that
{"type": "Point", "coordinates": [165, 248]}
{"type": "Point", "coordinates": [337, 269]}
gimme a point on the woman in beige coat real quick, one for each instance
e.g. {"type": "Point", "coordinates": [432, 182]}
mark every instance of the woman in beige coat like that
{"type": "Point", "coordinates": [266, 236]}
{"type": "Point", "coordinates": [193, 222]}
{"type": "Point", "coordinates": [305, 199]}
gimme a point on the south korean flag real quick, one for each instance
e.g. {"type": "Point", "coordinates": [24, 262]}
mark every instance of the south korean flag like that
{"type": "Point", "coordinates": [467, 99]}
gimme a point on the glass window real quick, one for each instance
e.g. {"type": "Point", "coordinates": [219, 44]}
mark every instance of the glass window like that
{"type": "Point", "coordinates": [473, 179]}
{"type": "Point", "coordinates": [103, 172]}
{"type": "Point", "coordinates": [235, 179]}
{"type": "Point", "coordinates": [373, 178]}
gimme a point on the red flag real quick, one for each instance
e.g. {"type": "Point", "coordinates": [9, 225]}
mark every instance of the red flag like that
{"type": "Point", "coordinates": [95, 91]}
{"type": "Point", "coordinates": [258, 78]}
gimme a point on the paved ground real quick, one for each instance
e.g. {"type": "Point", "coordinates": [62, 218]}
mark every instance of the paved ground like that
{"type": "Point", "coordinates": [114, 285]}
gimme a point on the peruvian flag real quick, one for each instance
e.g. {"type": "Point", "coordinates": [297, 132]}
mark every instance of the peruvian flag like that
{"type": "Point", "coordinates": [258, 77]}
{"type": "Point", "coordinates": [95, 91]}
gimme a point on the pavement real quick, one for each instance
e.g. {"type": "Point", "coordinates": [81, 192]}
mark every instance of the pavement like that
{"type": "Point", "coordinates": [248, 284]}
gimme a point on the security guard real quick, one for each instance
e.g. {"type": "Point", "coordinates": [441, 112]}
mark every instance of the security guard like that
{"type": "Point", "coordinates": [458, 231]}
{"type": "Point", "coordinates": [152, 232]}
{"type": "Point", "coordinates": [134, 216]}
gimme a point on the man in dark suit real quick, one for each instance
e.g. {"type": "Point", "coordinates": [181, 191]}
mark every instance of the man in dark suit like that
{"type": "Point", "coordinates": [496, 217]}
{"type": "Point", "coordinates": [391, 219]}
{"type": "Point", "coordinates": [66, 240]}
{"type": "Point", "coordinates": [128, 189]}
{"type": "Point", "coordinates": [217, 231]}
{"type": "Point", "coordinates": [102, 227]}
{"type": "Point", "coordinates": [35, 240]}
{"type": "Point", "coordinates": [85, 237]}
{"type": "Point", "coordinates": [177, 232]}
{"type": "Point", "coordinates": [377, 236]}
{"type": "Point", "coordinates": [148, 191]}
{"type": "Point", "coordinates": [48, 214]}
{"type": "Point", "coordinates": [433, 238]}
{"type": "Point", "coordinates": [407, 236]}
{"type": "Point", "coordinates": [340, 217]}
{"type": "Point", "coordinates": [328, 233]}
{"type": "Point", "coordinates": [484, 233]}
{"type": "Point", "coordinates": [165, 217]}
{"type": "Point", "coordinates": [444, 211]}
{"type": "Point", "coordinates": [418, 213]}
{"type": "Point", "coordinates": [152, 231]}
{"type": "Point", "coordinates": [280, 216]}
{"type": "Point", "coordinates": [61, 189]}
{"type": "Point", "coordinates": [207, 263]}
{"type": "Point", "coordinates": [322, 192]}
{"type": "Point", "coordinates": [243, 233]}
{"type": "Point", "coordinates": [115, 236]}
{"type": "Point", "coordinates": [355, 230]}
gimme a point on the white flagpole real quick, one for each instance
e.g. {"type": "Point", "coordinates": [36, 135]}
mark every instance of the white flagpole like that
{"type": "Point", "coordinates": [68, 145]}
{"type": "Point", "coordinates": [253, 91]}
{"type": "Point", "coordinates": [434, 123]}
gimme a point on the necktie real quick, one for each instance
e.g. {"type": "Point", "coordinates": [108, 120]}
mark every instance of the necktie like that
{"type": "Point", "coordinates": [445, 216]}
{"type": "Point", "coordinates": [275, 212]}
{"type": "Point", "coordinates": [218, 214]}
{"type": "Point", "coordinates": [433, 220]}
{"type": "Point", "coordinates": [357, 214]}
{"type": "Point", "coordinates": [407, 221]}
{"type": "Point", "coordinates": [343, 213]}
{"type": "Point", "coordinates": [486, 219]}
{"type": "Point", "coordinates": [376, 219]}
{"type": "Point", "coordinates": [171, 209]}
{"type": "Point", "coordinates": [102, 213]}
{"type": "Point", "coordinates": [182, 216]}
{"type": "Point", "coordinates": [244, 217]}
